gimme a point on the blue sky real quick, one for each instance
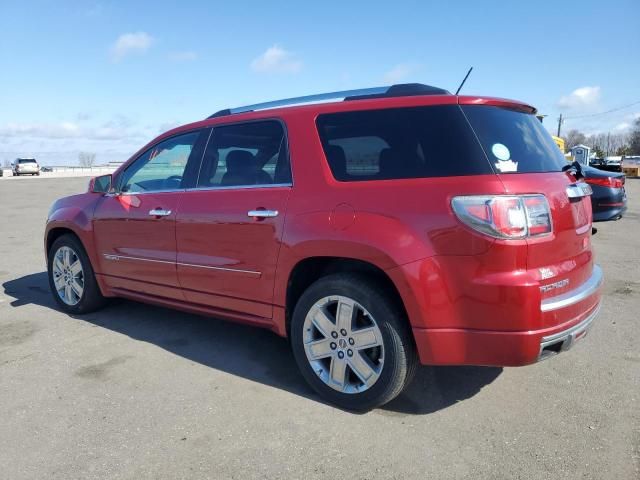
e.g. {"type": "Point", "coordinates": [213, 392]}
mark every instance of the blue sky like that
{"type": "Point", "coordinates": [107, 76]}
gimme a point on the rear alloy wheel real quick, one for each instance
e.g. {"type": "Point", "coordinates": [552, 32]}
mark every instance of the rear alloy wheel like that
{"type": "Point", "coordinates": [352, 342]}
{"type": "Point", "coordinates": [343, 344]}
{"type": "Point", "coordinates": [71, 277]}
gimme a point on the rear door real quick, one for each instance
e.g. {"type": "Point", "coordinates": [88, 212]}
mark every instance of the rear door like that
{"type": "Point", "coordinates": [230, 226]}
{"type": "Point", "coordinates": [134, 227]}
{"type": "Point", "coordinates": [528, 161]}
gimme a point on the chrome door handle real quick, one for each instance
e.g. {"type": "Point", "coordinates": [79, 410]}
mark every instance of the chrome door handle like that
{"type": "Point", "coordinates": [158, 212]}
{"type": "Point", "coordinates": [262, 213]}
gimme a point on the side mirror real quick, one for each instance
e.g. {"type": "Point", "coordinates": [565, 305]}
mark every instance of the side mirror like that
{"type": "Point", "coordinates": [101, 184]}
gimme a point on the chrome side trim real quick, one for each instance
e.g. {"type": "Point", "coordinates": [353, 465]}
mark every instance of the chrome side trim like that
{"type": "Point", "coordinates": [150, 192]}
{"type": "Point", "coordinates": [112, 257]}
{"type": "Point", "coordinates": [240, 187]}
{"type": "Point", "coordinates": [574, 296]}
{"type": "Point", "coordinates": [227, 187]}
{"type": "Point", "coordinates": [224, 269]}
{"type": "Point", "coordinates": [108, 256]}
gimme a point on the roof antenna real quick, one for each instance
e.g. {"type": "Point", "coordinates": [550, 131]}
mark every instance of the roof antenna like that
{"type": "Point", "coordinates": [465, 79]}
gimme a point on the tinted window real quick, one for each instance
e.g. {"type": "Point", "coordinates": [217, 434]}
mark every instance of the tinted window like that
{"type": "Point", "coordinates": [246, 154]}
{"type": "Point", "coordinates": [161, 167]}
{"type": "Point", "coordinates": [26, 160]}
{"type": "Point", "coordinates": [401, 143]}
{"type": "Point", "coordinates": [515, 142]}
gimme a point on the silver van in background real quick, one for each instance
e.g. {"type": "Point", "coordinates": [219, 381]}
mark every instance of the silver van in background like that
{"type": "Point", "coordinates": [25, 166]}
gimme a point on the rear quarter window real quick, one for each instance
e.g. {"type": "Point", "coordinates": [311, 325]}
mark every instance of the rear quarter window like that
{"type": "Point", "coordinates": [515, 142]}
{"type": "Point", "coordinates": [418, 142]}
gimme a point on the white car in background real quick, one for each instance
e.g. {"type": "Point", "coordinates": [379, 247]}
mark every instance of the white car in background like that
{"type": "Point", "coordinates": [25, 166]}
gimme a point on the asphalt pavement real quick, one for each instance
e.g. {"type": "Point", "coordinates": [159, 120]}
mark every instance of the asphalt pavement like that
{"type": "Point", "coordinates": [135, 391]}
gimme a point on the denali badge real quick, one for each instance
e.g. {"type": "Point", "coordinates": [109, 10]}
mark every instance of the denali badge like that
{"type": "Point", "coordinates": [553, 286]}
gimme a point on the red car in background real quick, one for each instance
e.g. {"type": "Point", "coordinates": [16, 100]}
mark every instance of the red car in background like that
{"type": "Point", "coordinates": [386, 228]}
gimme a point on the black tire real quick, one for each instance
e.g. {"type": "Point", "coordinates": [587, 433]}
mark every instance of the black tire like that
{"type": "Point", "coordinates": [91, 298]}
{"type": "Point", "coordinates": [400, 359]}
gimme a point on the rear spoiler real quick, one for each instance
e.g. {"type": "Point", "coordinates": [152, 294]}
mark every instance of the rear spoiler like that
{"type": "Point", "coordinates": [497, 102]}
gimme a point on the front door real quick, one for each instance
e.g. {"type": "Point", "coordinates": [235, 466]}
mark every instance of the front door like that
{"type": "Point", "coordinates": [229, 227]}
{"type": "Point", "coordinates": [135, 226]}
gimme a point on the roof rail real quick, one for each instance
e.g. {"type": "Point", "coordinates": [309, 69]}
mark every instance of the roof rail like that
{"type": "Point", "coordinates": [400, 90]}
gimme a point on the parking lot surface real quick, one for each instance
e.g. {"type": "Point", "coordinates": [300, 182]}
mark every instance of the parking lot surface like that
{"type": "Point", "coordinates": [135, 391]}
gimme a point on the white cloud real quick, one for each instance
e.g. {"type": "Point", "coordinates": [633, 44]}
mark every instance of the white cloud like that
{"type": "Point", "coordinates": [183, 56]}
{"type": "Point", "coordinates": [276, 60]}
{"type": "Point", "coordinates": [111, 130]}
{"type": "Point", "coordinates": [130, 43]}
{"type": "Point", "coordinates": [580, 97]}
{"type": "Point", "coordinates": [622, 127]}
{"type": "Point", "coordinates": [400, 72]}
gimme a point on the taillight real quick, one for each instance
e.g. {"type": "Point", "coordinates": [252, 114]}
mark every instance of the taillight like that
{"type": "Point", "coordinates": [505, 216]}
{"type": "Point", "coordinates": [610, 182]}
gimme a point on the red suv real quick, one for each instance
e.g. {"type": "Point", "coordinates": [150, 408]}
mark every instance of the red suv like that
{"type": "Point", "coordinates": [386, 228]}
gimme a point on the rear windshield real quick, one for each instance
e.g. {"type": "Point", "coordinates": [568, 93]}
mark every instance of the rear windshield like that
{"type": "Point", "coordinates": [415, 142]}
{"type": "Point", "coordinates": [26, 160]}
{"type": "Point", "coordinates": [515, 142]}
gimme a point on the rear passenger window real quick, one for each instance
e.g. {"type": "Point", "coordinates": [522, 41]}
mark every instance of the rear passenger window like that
{"type": "Point", "coordinates": [401, 143]}
{"type": "Point", "coordinates": [246, 154]}
{"type": "Point", "coordinates": [363, 154]}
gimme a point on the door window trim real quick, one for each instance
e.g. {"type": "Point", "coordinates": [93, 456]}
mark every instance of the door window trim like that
{"type": "Point", "coordinates": [245, 187]}
{"type": "Point", "coordinates": [241, 187]}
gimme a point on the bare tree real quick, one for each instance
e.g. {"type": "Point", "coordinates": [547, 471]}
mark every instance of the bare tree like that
{"type": "Point", "coordinates": [573, 138]}
{"type": "Point", "coordinates": [87, 159]}
{"type": "Point", "coordinates": [634, 138]}
{"type": "Point", "coordinates": [606, 144]}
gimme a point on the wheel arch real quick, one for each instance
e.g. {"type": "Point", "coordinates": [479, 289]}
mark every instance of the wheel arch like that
{"type": "Point", "coordinates": [56, 232]}
{"type": "Point", "coordinates": [311, 269]}
{"type": "Point", "coordinates": [57, 229]}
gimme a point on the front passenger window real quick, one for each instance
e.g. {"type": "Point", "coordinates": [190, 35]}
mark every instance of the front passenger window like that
{"type": "Point", "coordinates": [160, 168]}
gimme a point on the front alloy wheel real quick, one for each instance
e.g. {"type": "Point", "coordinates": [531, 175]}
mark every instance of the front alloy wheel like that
{"type": "Point", "coordinates": [71, 278]}
{"type": "Point", "coordinates": [68, 276]}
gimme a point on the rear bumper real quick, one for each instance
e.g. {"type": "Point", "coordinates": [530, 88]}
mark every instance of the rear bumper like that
{"type": "Point", "coordinates": [562, 341]}
{"type": "Point", "coordinates": [608, 203]}
{"type": "Point", "coordinates": [460, 346]}
{"type": "Point", "coordinates": [604, 214]}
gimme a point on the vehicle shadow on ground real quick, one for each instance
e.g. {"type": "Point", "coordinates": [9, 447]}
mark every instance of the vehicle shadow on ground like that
{"type": "Point", "coordinates": [248, 352]}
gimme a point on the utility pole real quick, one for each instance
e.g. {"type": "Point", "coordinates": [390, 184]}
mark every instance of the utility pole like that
{"type": "Point", "coordinates": [559, 124]}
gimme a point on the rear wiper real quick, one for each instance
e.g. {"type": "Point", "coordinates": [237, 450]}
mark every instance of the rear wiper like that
{"type": "Point", "coordinates": [576, 168]}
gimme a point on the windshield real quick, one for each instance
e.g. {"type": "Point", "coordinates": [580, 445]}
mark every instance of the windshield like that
{"type": "Point", "coordinates": [515, 142]}
{"type": "Point", "coordinates": [26, 160]}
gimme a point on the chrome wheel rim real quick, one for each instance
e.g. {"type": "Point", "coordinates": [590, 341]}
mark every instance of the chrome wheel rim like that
{"type": "Point", "coordinates": [68, 276]}
{"type": "Point", "coordinates": [343, 344]}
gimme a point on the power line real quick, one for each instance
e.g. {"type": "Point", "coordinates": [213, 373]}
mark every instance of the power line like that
{"type": "Point", "coordinates": [602, 113]}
